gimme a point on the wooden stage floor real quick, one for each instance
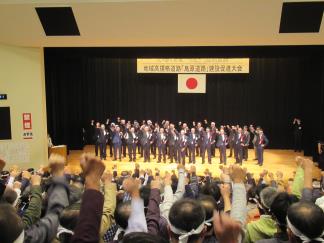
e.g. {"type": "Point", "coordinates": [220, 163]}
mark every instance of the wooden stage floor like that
{"type": "Point", "coordinates": [274, 160]}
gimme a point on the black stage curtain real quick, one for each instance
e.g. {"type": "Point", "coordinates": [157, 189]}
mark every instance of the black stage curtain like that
{"type": "Point", "coordinates": [100, 83]}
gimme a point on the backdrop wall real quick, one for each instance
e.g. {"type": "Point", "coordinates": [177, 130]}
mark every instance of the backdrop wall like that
{"type": "Point", "coordinates": [97, 83]}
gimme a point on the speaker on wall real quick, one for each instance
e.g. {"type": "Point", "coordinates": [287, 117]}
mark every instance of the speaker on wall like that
{"type": "Point", "coordinates": [5, 128]}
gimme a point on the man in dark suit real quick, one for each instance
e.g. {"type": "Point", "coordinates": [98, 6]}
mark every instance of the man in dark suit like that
{"type": "Point", "coordinates": [117, 143]}
{"type": "Point", "coordinates": [146, 143]}
{"type": "Point", "coordinates": [247, 138]}
{"type": "Point", "coordinates": [137, 131]}
{"type": "Point", "coordinates": [91, 133]}
{"type": "Point", "coordinates": [221, 144]}
{"type": "Point", "coordinates": [111, 131]}
{"type": "Point", "coordinates": [261, 142]}
{"type": "Point", "coordinates": [207, 141]}
{"type": "Point", "coordinates": [238, 146]}
{"type": "Point", "coordinates": [200, 133]}
{"type": "Point", "coordinates": [298, 132]}
{"type": "Point", "coordinates": [253, 137]}
{"type": "Point", "coordinates": [231, 139]}
{"type": "Point", "coordinates": [155, 129]}
{"type": "Point", "coordinates": [205, 123]}
{"type": "Point", "coordinates": [166, 126]}
{"type": "Point", "coordinates": [140, 135]}
{"type": "Point", "coordinates": [96, 137]}
{"type": "Point", "coordinates": [123, 129]}
{"type": "Point", "coordinates": [172, 140]}
{"type": "Point", "coordinates": [131, 140]}
{"type": "Point", "coordinates": [192, 144]}
{"type": "Point", "coordinates": [182, 147]}
{"type": "Point", "coordinates": [161, 141]}
{"type": "Point", "coordinates": [186, 131]}
{"type": "Point", "coordinates": [102, 140]}
{"type": "Point", "coordinates": [177, 148]}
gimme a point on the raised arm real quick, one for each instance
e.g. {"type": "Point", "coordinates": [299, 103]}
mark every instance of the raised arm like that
{"type": "Point", "coordinates": [298, 182]}
{"type": "Point", "coordinates": [226, 193]}
{"type": "Point", "coordinates": [136, 220]}
{"type": "Point", "coordinates": [308, 180]}
{"type": "Point", "coordinates": [168, 196]}
{"type": "Point", "coordinates": [33, 212]}
{"type": "Point", "coordinates": [181, 183]}
{"type": "Point", "coordinates": [239, 201]}
{"type": "Point", "coordinates": [87, 229]}
{"type": "Point", "coordinates": [226, 229]}
{"type": "Point", "coordinates": [110, 190]}
{"type": "Point", "coordinates": [319, 148]}
{"type": "Point", "coordinates": [45, 229]}
{"type": "Point", "coordinates": [153, 210]}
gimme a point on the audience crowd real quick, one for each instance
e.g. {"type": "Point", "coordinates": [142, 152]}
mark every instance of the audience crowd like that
{"type": "Point", "coordinates": [51, 204]}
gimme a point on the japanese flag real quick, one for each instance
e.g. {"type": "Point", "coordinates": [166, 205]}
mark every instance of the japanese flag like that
{"type": "Point", "coordinates": [191, 83]}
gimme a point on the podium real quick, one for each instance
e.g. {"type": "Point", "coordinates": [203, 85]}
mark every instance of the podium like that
{"type": "Point", "coordinates": [60, 149]}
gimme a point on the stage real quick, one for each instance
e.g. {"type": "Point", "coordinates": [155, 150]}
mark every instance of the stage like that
{"type": "Point", "coordinates": [274, 160]}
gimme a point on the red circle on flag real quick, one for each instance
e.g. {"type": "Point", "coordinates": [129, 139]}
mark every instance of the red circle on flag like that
{"type": "Point", "coordinates": [191, 83]}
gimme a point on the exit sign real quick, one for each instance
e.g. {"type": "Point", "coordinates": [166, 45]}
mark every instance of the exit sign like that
{"type": "Point", "coordinates": [3, 96]}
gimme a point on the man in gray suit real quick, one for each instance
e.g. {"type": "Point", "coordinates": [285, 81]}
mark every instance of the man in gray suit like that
{"type": "Point", "coordinates": [146, 143]}
{"type": "Point", "coordinates": [161, 140]}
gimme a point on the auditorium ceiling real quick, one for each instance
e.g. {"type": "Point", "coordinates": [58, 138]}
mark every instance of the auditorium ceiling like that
{"type": "Point", "coordinates": [114, 23]}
